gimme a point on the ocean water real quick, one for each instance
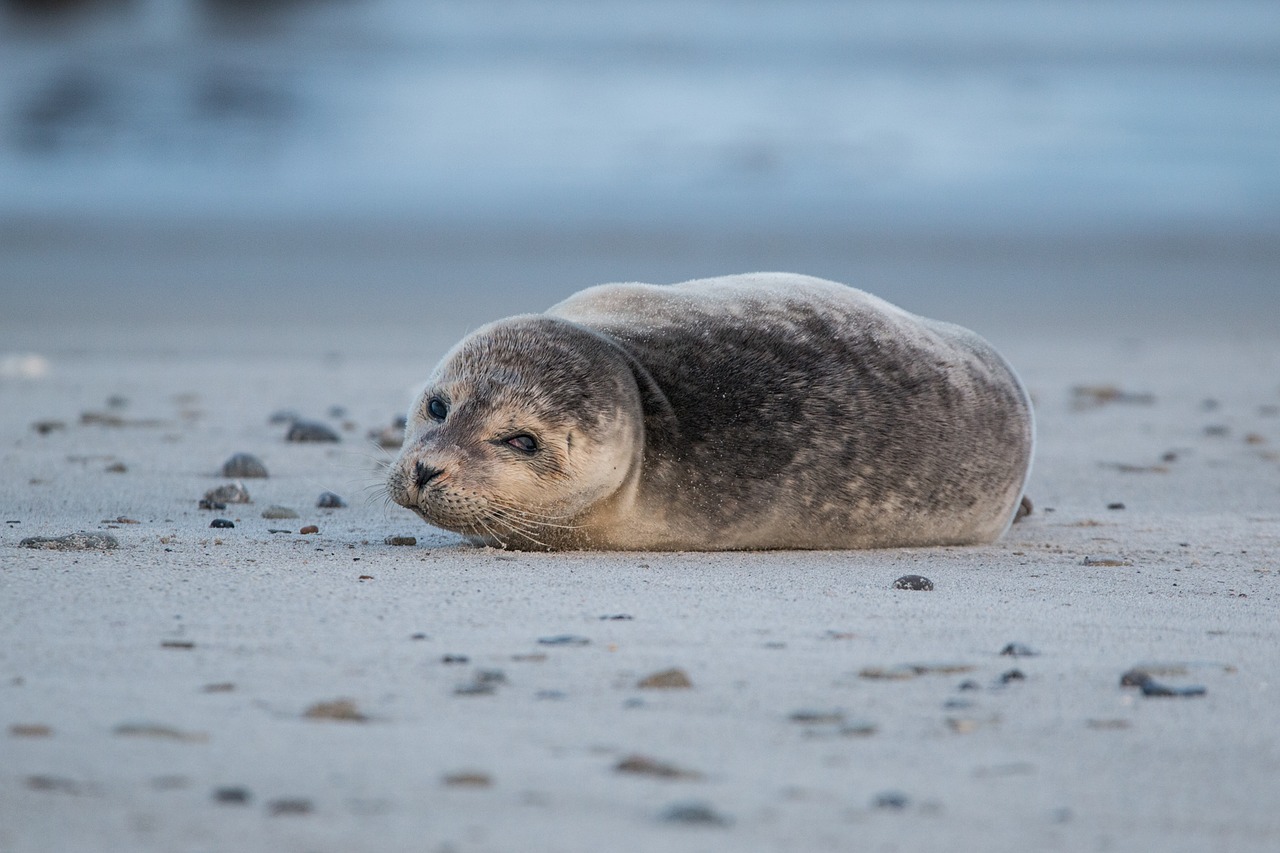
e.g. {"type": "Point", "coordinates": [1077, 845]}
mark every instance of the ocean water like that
{"type": "Point", "coordinates": [986, 114]}
{"type": "Point", "coordinates": [299, 159]}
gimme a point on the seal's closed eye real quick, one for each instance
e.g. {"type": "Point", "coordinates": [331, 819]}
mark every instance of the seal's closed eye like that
{"type": "Point", "coordinates": [437, 408]}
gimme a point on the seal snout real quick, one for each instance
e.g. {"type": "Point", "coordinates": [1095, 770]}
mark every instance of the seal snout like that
{"type": "Point", "coordinates": [423, 474]}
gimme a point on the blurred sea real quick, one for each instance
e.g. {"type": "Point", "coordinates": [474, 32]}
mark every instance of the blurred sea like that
{"type": "Point", "coordinates": [357, 152]}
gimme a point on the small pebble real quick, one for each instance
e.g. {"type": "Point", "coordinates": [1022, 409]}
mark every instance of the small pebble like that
{"type": "Point", "coordinates": [289, 807]}
{"type": "Point", "coordinates": [474, 688]}
{"type": "Point", "coordinates": [30, 730]}
{"type": "Point", "coordinates": [1012, 675]}
{"type": "Point", "coordinates": [814, 717]}
{"type": "Point", "coordinates": [222, 523]}
{"type": "Point", "coordinates": [46, 427]}
{"type": "Point", "coordinates": [232, 796]}
{"type": "Point", "coordinates": [231, 493]}
{"type": "Point", "coordinates": [337, 412]}
{"type": "Point", "coordinates": [1151, 687]}
{"type": "Point", "coordinates": [918, 582]}
{"type": "Point", "coordinates": [1115, 505]}
{"type": "Point", "coordinates": [455, 659]}
{"type": "Point", "coordinates": [116, 468]}
{"type": "Point", "coordinates": [310, 431]}
{"type": "Point", "coordinates": [564, 640]}
{"type": "Point", "coordinates": [284, 416]}
{"type": "Point", "coordinates": [1018, 650]}
{"type": "Point", "coordinates": [275, 512]}
{"type": "Point", "coordinates": [1105, 561]}
{"type": "Point", "coordinates": [890, 800]}
{"type": "Point", "coordinates": [328, 500]}
{"type": "Point", "coordinates": [667, 679]}
{"type": "Point", "coordinates": [243, 465]}
{"type": "Point", "coordinates": [617, 617]}
{"type": "Point", "coordinates": [72, 542]}
{"type": "Point", "coordinates": [468, 779]}
{"type": "Point", "coordinates": [158, 731]}
{"type": "Point", "coordinates": [310, 528]}
{"type": "Point", "coordinates": [337, 709]}
{"type": "Point", "coordinates": [401, 540]}
{"type": "Point", "coordinates": [693, 813]}
{"type": "Point", "coordinates": [177, 644]}
{"type": "Point", "coordinates": [642, 765]}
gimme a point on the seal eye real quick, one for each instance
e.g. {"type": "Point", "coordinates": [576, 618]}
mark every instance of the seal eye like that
{"type": "Point", "coordinates": [523, 443]}
{"type": "Point", "coordinates": [437, 408]}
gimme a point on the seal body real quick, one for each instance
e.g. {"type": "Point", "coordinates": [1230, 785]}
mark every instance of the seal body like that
{"type": "Point", "coordinates": [746, 412]}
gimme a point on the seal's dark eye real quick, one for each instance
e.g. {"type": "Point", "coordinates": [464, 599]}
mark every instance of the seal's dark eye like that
{"type": "Point", "coordinates": [437, 408]}
{"type": "Point", "coordinates": [523, 443]}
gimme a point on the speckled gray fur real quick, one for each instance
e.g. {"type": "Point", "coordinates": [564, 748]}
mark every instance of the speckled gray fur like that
{"type": "Point", "coordinates": [757, 411]}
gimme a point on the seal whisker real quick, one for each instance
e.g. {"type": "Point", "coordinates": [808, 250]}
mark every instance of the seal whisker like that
{"type": "Point", "coordinates": [519, 532]}
{"type": "Point", "coordinates": [529, 518]}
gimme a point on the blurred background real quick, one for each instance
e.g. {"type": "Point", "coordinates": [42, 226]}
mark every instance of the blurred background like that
{"type": "Point", "coordinates": [1056, 166]}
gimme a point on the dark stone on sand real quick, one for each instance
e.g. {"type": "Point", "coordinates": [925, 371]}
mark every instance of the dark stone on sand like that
{"type": "Point", "coordinates": [401, 540]}
{"type": "Point", "coordinates": [278, 808]}
{"type": "Point", "coordinates": [46, 427]}
{"type": "Point", "coordinates": [667, 679]}
{"type": "Point", "coordinates": [1115, 505]}
{"type": "Point", "coordinates": [309, 529]}
{"type": "Point", "coordinates": [1134, 678]}
{"type": "Point", "coordinates": [890, 800]}
{"type": "Point", "coordinates": [328, 500]}
{"type": "Point", "coordinates": [232, 796]}
{"type": "Point", "coordinates": [277, 512]}
{"type": "Point", "coordinates": [223, 523]}
{"type": "Point", "coordinates": [455, 659]}
{"type": "Point", "coordinates": [311, 431]}
{"type": "Point", "coordinates": [71, 542]}
{"type": "Point", "coordinates": [1151, 687]}
{"type": "Point", "coordinates": [918, 582]}
{"type": "Point", "coordinates": [693, 813]}
{"type": "Point", "coordinates": [468, 779]}
{"type": "Point", "coordinates": [231, 493]}
{"type": "Point", "coordinates": [1018, 650]}
{"type": "Point", "coordinates": [1012, 675]}
{"type": "Point", "coordinates": [244, 465]}
{"type": "Point", "coordinates": [617, 617]}
{"type": "Point", "coordinates": [564, 640]}
{"type": "Point", "coordinates": [643, 765]}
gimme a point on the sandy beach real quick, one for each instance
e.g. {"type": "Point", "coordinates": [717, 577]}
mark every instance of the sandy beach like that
{"type": "Point", "coordinates": [215, 214]}
{"type": "Point", "coordinates": [257, 688]}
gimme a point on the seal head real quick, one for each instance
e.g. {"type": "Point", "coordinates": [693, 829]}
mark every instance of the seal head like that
{"type": "Point", "coordinates": [532, 451]}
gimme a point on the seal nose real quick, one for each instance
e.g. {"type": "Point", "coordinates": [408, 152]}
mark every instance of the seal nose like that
{"type": "Point", "coordinates": [422, 475]}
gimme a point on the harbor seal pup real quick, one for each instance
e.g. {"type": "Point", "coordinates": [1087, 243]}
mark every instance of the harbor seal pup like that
{"type": "Point", "coordinates": [756, 411]}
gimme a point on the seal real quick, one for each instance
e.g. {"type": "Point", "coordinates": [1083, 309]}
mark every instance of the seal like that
{"type": "Point", "coordinates": [760, 411]}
